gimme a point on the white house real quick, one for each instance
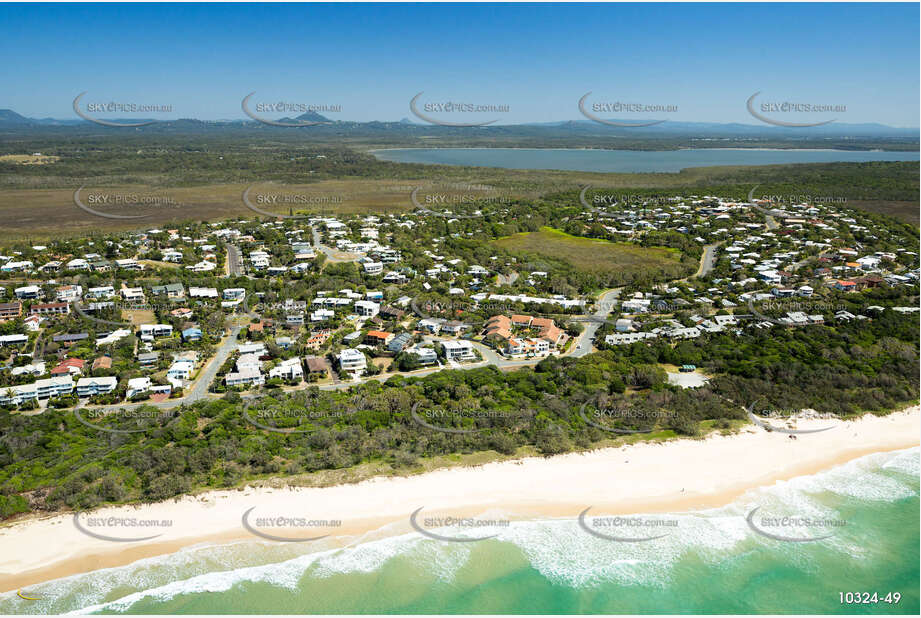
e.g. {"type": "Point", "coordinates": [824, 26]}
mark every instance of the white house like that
{"type": "Point", "coordinates": [458, 350]}
{"type": "Point", "coordinates": [137, 386]}
{"type": "Point", "coordinates": [87, 387]}
{"type": "Point", "coordinates": [114, 336]}
{"type": "Point", "coordinates": [290, 369]}
{"type": "Point", "coordinates": [352, 361]}
{"type": "Point", "coordinates": [203, 292]}
{"type": "Point", "coordinates": [27, 292]}
{"type": "Point", "coordinates": [181, 369]}
{"type": "Point", "coordinates": [367, 308]}
{"type": "Point", "coordinates": [149, 331]}
{"type": "Point", "coordinates": [247, 376]}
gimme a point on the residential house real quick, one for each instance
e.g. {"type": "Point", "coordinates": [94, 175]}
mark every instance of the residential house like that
{"type": "Point", "coordinates": [88, 387]}
{"type": "Point", "coordinates": [378, 337]}
{"type": "Point", "coordinates": [317, 365]}
{"type": "Point", "coordinates": [172, 291]}
{"type": "Point", "coordinates": [192, 334]}
{"type": "Point", "coordinates": [50, 309]}
{"type": "Point", "coordinates": [458, 350]}
{"type": "Point", "coordinates": [290, 369]}
{"type": "Point", "coordinates": [352, 361]}
{"type": "Point", "coordinates": [69, 366]}
{"type": "Point", "coordinates": [10, 311]}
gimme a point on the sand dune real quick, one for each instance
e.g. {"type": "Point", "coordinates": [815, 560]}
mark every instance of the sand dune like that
{"type": "Point", "coordinates": [679, 475]}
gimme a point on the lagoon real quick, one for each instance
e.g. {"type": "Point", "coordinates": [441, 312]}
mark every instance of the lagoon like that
{"type": "Point", "coordinates": [628, 161]}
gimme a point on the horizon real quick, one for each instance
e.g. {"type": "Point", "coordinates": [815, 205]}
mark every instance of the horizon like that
{"type": "Point", "coordinates": [342, 57]}
{"type": "Point", "coordinates": [75, 121]}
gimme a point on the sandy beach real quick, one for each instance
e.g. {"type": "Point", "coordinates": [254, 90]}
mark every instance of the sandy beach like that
{"type": "Point", "coordinates": [679, 475]}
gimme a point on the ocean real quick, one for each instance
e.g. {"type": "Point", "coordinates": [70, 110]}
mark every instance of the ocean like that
{"type": "Point", "coordinates": [708, 562]}
{"type": "Point", "coordinates": [632, 161]}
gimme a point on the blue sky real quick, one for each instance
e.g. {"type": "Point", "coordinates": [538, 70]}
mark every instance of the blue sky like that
{"type": "Point", "coordinates": [538, 59]}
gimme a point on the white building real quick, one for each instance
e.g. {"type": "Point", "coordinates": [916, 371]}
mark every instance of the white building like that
{"type": "Point", "coordinates": [114, 336]}
{"type": "Point", "coordinates": [367, 308]}
{"type": "Point", "coordinates": [87, 387]}
{"type": "Point", "coordinates": [290, 369]}
{"type": "Point", "coordinates": [137, 386]}
{"type": "Point", "coordinates": [203, 292]}
{"type": "Point", "coordinates": [248, 376]}
{"type": "Point", "coordinates": [28, 292]}
{"type": "Point", "coordinates": [40, 389]}
{"type": "Point", "coordinates": [458, 350]}
{"type": "Point", "coordinates": [352, 361]}
{"type": "Point", "coordinates": [149, 331]}
{"type": "Point", "coordinates": [181, 369]}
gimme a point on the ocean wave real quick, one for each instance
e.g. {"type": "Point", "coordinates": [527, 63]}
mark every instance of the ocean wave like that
{"type": "Point", "coordinates": [557, 548]}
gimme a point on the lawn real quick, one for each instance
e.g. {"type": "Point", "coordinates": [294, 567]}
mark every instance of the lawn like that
{"type": "Point", "coordinates": [593, 255]}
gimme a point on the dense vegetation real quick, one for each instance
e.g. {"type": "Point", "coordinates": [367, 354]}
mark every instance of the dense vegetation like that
{"type": "Point", "coordinates": [52, 461]}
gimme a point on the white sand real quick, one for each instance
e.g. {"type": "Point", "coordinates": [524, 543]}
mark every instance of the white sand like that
{"type": "Point", "coordinates": [647, 477]}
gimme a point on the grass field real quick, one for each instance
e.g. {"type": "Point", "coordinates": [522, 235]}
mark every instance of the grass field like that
{"type": "Point", "coordinates": [592, 255]}
{"type": "Point", "coordinates": [139, 316]}
{"type": "Point", "coordinates": [40, 207]}
{"type": "Point", "coordinates": [28, 159]}
{"type": "Point", "coordinates": [45, 213]}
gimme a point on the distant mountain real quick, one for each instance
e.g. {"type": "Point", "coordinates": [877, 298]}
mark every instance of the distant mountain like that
{"type": "Point", "coordinates": [8, 116]}
{"type": "Point", "coordinates": [736, 129]}
{"type": "Point", "coordinates": [312, 117]}
{"type": "Point", "coordinates": [568, 133]}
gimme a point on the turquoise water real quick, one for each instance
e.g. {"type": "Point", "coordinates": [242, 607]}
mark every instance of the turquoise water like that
{"type": "Point", "coordinates": [627, 160]}
{"type": "Point", "coordinates": [711, 562]}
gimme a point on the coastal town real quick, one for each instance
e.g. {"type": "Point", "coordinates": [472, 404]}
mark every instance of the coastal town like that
{"type": "Point", "coordinates": [167, 316]}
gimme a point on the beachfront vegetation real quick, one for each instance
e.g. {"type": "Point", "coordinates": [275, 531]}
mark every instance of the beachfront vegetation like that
{"type": "Point", "coordinates": [52, 461]}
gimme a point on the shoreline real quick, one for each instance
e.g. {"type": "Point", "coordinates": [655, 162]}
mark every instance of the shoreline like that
{"type": "Point", "coordinates": [674, 476]}
{"type": "Point", "coordinates": [374, 150]}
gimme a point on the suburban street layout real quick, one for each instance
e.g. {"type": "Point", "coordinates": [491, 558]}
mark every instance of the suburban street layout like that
{"type": "Point", "coordinates": [580, 310]}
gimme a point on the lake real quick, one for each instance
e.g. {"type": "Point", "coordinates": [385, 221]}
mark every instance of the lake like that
{"type": "Point", "coordinates": [628, 161]}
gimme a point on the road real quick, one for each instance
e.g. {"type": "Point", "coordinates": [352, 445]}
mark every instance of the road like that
{"type": "Point", "coordinates": [206, 375]}
{"type": "Point", "coordinates": [234, 261]}
{"type": "Point", "coordinates": [581, 346]}
{"type": "Point", "coordinates": [708, 259]}
{"type": "Point", "coordinates": [332, 255]}
{"type": "Point", "coordinates": [199, 388]}
{"type": "Point", "coordinates": [605, 305]}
